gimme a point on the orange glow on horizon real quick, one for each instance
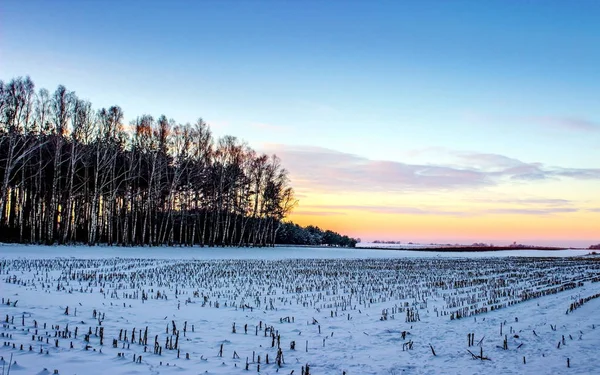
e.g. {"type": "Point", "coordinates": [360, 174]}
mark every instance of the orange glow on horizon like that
{"type": "Point", "coordinates": [421, 228]}
{"type": "Point", "coordinates": [440, 219]}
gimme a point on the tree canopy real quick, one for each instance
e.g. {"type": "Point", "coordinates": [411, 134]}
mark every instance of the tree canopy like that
{"type": "Point", "coordinates": [72, 174]}
{"type": "Point", "coordinates": [294, 234]}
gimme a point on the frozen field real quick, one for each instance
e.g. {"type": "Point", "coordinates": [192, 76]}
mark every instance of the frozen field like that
{"type": "Point", "coordinates": [81, 310]}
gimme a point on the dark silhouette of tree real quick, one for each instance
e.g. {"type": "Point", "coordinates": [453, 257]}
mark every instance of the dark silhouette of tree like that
{"type": "Point", "coordinates": [294, 234]}
{"type": "Point", "coordinates": [69, 174]}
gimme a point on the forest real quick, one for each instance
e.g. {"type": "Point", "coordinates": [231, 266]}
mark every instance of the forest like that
{"type": "Point", "coordinates": [293, 234]}
{"type": "Point", "coordinates": [72, 174]}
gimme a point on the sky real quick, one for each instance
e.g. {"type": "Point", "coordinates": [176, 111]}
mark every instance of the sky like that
{"type": "Point", "coordinates": [423, 121]}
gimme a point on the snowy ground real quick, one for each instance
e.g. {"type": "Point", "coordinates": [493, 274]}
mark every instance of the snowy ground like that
{"type": "Point", "coordinates": [403, 245]}
{"type": "Point", "coordinates": [353, 311]}
{"type": "Point", "coordinates": [416, 246]}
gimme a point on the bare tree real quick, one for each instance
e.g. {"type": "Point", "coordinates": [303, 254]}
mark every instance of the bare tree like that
{"type": "Point", "coordinates": [72, 174]}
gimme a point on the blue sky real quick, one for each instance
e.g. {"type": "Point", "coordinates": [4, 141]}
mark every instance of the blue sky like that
{"type": "Point", "coordinates": [412, 82]}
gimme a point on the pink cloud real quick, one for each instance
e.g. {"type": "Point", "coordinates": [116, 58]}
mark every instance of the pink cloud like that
{"type": "Point", "coordinates": [392, 210]}
{"type": "Point", "coordinates": [329, 170]}
{"type": "Point", "coordinates": [438, 211]}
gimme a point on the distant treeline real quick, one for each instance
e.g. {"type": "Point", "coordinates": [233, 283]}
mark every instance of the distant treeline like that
{"type": "Point", "coordinates": [483, 248]}
{"type": "Point", "coordinates": [294, 234]}
{"type": "Point", "coordinates": [72, 174]}
{"type": "Point", "coordinates": [466, 248]}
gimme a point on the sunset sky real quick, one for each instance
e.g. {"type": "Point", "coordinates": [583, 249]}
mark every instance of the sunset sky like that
{"type": "Point", "coordinates": [423, 121]}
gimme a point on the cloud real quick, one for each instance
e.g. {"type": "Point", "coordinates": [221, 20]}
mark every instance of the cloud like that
{"type": "Point", "coordinates": [325, 169]}
{"type": "Point", "coordinates": [594, 209]}
{"type": "Point", "coordinates": [583, 174]}
{"type": "Point", "coordinates": [332, 170]}
{"type": "Point", "coordinates": [568, 123]}
{"type": "Point", "coordinates": [529, 211]}
{"type": "Point", "coordinates": [501, 166]}
{"type": "Point", "coordinates": [536, 202]}
{"type": "Point", "coordinates": [395, 210]}
{"type": "Point", "coordinates": [438, 211]}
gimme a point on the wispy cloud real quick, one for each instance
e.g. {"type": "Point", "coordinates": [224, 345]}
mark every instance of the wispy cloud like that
{"type": "Point", "coordinates": [578, 173]}
{"type": "Point", "coordinates": [552, 202]}
{"type": "Point", "coordinates": [502, 166]}
{"type": "Point", "coordinates": [441, 211]}
{"type": "Point", "coordinates": [395, 210]}
{"type": "Point", "coordinates": [330, 170]}
{"type": "Point", "coordinates": [529, 211]}
{"type": "Point", "coordinates": [569, 123]}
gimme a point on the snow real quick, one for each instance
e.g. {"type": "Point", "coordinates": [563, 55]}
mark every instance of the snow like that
{"type": "Point", "coordinates": [354, 285]}
{"type": "Point", "coordinates": [280, 252]}
{"type": "Point", "coordinates": [403, 245]}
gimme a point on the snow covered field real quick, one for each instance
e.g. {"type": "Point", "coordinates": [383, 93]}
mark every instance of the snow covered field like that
{"type": "Point", "coordinates": [404, 245]}
{"type": "Point", "coordinates": [346, 311]}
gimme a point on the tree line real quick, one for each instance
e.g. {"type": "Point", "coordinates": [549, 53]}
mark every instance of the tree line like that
{"type": "Point", "coordinates": [294, 234]}
{"type": "Point", "coordinates": [70, 174]}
